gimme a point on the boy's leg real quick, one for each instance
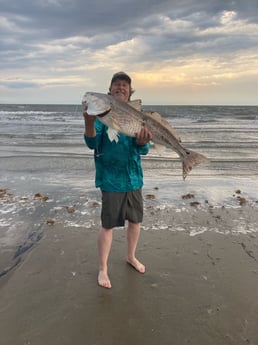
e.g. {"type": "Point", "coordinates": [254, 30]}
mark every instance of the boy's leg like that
{"type": "Point", "coordinates": [133, 234]}
{"type": "Point", "coordinates": [104, 246]}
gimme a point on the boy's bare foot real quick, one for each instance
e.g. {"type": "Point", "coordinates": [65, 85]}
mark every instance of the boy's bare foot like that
{"type": "Point", "coordinates": [103, 280]}
{"type": "Point", "coordinates": [137, 265]}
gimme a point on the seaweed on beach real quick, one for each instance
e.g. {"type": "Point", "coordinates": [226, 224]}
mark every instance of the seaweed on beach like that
{"type": "Point", "coordinates": [32, 239]}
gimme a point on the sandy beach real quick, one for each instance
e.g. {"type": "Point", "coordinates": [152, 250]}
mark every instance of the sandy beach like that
{"type": "Point", "coordinates": [199, 287]}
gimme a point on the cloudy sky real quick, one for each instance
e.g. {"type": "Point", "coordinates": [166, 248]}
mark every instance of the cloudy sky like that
{"type": "Point", "coordinates": [177, 52]}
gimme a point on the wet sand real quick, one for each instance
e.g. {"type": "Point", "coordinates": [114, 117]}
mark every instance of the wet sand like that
{"type": "Point", "coordinates": [197, 290]}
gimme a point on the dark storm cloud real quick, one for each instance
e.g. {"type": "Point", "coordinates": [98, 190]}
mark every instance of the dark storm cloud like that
{"type": "Point", "coordinates": [63, 18]}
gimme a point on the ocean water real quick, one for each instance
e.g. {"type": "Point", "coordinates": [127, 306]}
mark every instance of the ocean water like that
{"type": "Point", "coordinates": [42, 151]}
{"type": "Point", "coordinates": [49, 138]}
{"type": "Point", "coordinates": [227, 135]}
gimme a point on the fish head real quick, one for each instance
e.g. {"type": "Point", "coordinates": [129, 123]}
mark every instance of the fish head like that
{"type": "Point", "coordinates": [96, 104]}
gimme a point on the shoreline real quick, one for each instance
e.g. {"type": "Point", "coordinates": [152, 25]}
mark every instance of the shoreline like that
{"type": "Point", "coordinates": [193, 209]}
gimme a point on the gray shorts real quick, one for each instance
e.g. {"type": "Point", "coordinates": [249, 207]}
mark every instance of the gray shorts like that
{"type": "Point", "coordinates": [120, 206]}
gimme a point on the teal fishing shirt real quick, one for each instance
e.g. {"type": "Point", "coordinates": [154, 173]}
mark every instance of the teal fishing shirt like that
{"type": "Point", "coordinates": [118, 165]}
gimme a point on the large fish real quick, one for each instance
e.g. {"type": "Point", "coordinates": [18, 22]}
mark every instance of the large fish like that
{"type": "Point", "coordinates": [123, 117]}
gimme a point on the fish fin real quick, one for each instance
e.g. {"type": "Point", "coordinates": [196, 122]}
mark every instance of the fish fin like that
{"type": "Point", "coordinates": [136, 104]}
{"type": "Point", "coordinates": [165, 123]}
{"type": "Point", "coordinates": [113, 134]}
{"type": "Point", "coordinates": [191, 160]}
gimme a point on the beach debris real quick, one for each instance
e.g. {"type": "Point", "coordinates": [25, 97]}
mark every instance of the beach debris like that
{"type": "Point", "coordinates": [95, 204]}
{"type": "Point", "coordinates": [194, 203]}
{"type": "Point", "coordinates": [39, 196]}
{"type": "Point", "coordinates": [23, 248]}
{"type": "Point", "coordinates": [7, 197]}
{"type": "Point", "coordinates": [121, 117]}
{"type": "Point", "coordinates": [242, 201]}
{"type": "Point", "coordinates": [3, 192]}
{"type": "Point", "coordinates": [33, 238]}
{"type": "Point", "coordinates": [23, 199]}
{"type": "Point", "coordinates": [70, 209]}
{"type": "Point", "coordinates": [238, 191]}
{"type": "Point", "coordinates": [188, 196]}
{"type": "Point", "coordinates": [150, 196]}
{"type": "Point", "coordinates": [9, 201]}
{"type": "Point", "coordinates": [9, 268]}
{"type": "Point", "coordinates": [51, 221]}
{"type": "Point", "coordinates": [156, 188]}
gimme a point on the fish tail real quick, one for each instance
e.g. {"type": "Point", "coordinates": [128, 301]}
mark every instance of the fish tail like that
{"type": "Point", "coordinates": [190, 160]}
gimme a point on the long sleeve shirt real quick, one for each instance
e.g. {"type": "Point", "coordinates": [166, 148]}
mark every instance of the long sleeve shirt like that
{"type": "Point", "coordinates": [118, 165]}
